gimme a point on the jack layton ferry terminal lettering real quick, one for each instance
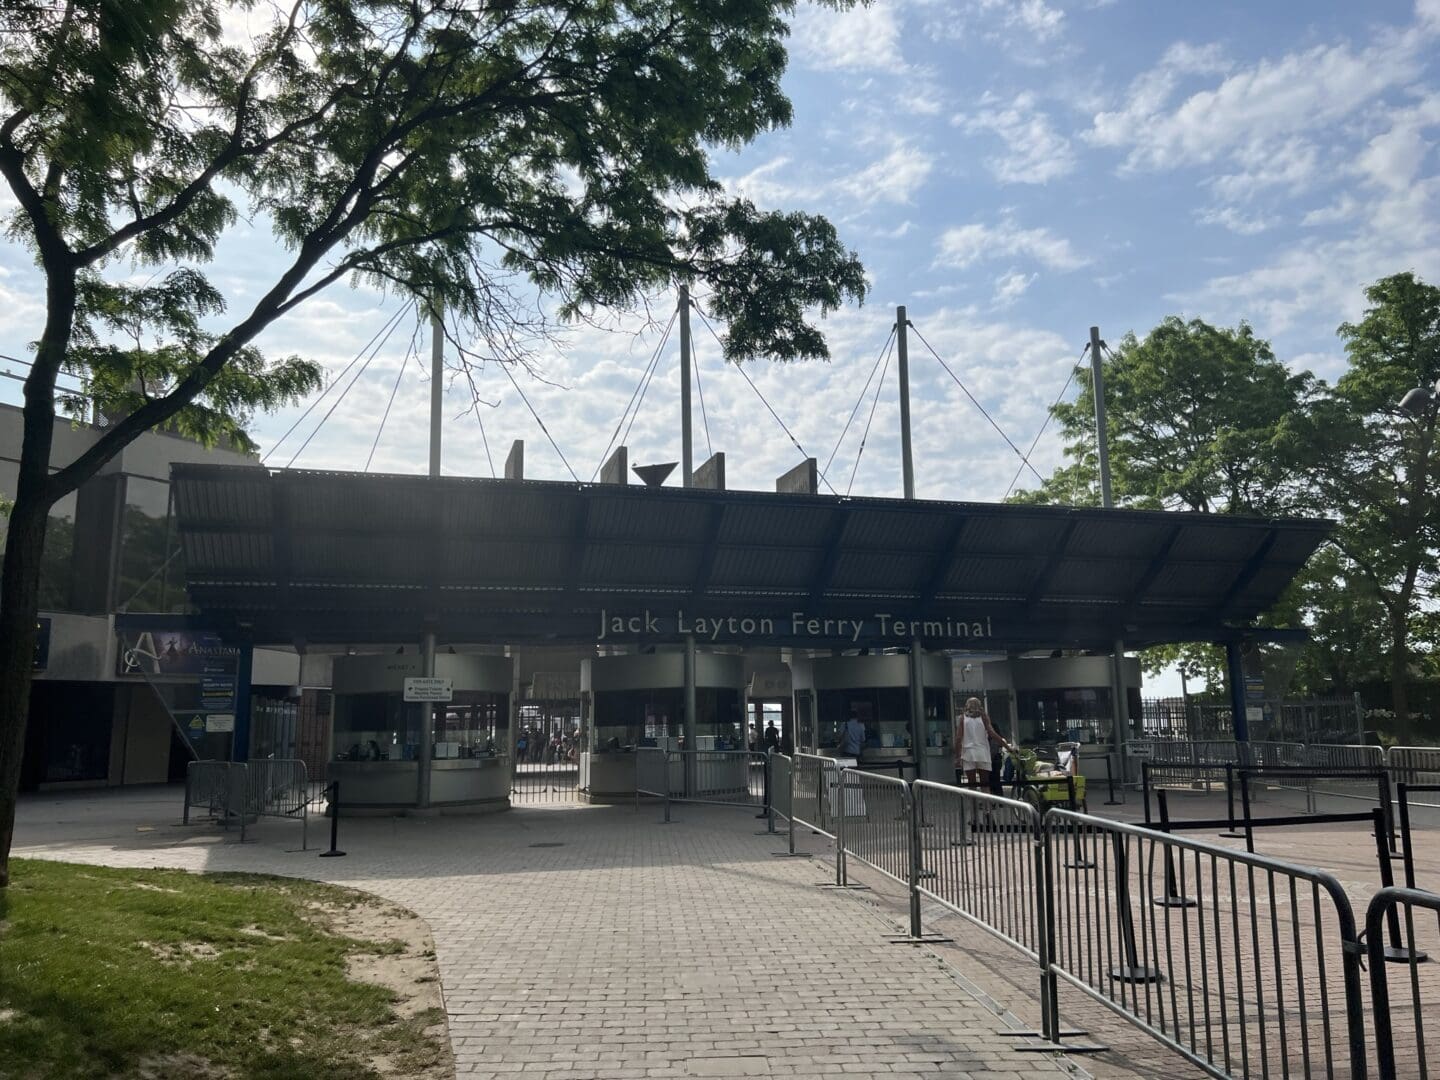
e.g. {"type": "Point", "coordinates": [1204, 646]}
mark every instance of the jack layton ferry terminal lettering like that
{"type": "Point", "coordinates": [800, 624]}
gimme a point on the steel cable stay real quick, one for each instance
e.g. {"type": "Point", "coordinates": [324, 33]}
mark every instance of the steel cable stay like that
{"type": "Point", "coordinates": [1049, 415]}
{"type": "Point", "coordinates": [644, 377]}
{"type": "Point", "coordinates": [642, 390]}
{"type": "Point", "coordinates": [393, 390]}
{"type": "Point", "coordinates": [486, 442]}
{"type": "Point", "coordinates": [700, 390]}
{"type": "Point", "coordinates": [869, 420]}
{"type": "Point", "coordinates": [859, 401]}
{"type": "Point", "coordinates": [556, 446]}
{"type": "Point", "coordinates": [394, 322]}
{"type": "Point", "coordinates": [763, 401]}
{"type": "Point", "coordinates": [323, 393]}
{"type": "Point", "coordinates": [1026, 462]}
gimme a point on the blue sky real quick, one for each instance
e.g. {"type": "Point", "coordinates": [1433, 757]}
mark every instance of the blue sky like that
{"type": "Point", "coordinates": [1013, 171]}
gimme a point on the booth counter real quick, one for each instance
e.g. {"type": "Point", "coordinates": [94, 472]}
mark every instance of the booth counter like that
{"type": "Point", "coordinates": [376, 734]}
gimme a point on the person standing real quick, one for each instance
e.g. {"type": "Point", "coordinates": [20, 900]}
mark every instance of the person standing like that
{"type": "Point", "coordinates": [974, 737]}
{"type": "Point", "coordinates": [852, 737]}
{"type": "Point", "coordinates": [772, 736]}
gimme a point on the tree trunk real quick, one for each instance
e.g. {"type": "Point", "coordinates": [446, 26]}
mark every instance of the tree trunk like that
{"type": "Point", "coordinates": [19, 602]}
{"type": "Point", "coordinates": [1399, 670]}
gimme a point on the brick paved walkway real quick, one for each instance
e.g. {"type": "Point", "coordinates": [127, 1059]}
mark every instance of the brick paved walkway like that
{"type": "Point", "coordinates": [590, 942]}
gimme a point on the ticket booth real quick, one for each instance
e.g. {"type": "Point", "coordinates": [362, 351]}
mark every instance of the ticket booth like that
{"type": "Point", "coordinates": [375, 737]}
{"type": "Point", "coordinates": [628, 702]}
{"type": "Point", "coordinates": [876, 691]}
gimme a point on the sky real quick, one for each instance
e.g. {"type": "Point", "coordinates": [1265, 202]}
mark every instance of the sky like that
{"type": "Point", "coordinates": [1013, 171]}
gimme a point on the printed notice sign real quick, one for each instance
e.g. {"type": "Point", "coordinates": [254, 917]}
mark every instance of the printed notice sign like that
{"type": "Point", "coordinates": [428, 688]}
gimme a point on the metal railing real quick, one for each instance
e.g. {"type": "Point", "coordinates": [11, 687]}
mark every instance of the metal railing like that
{"type": "Point", "coordinates": [780, 792]}
{"type": "Point", "coordinates": [982, 859]}
{"type": "Point", "coordinates": [1416, 766]}
{"type": "Point", "coordinates": [716, 777]}
{"type": "Point", "coordinates": [219, 787]}
{"type": "Point", "coordinates": [1406, 1055]}
{"type": "Point", "coordinates": [1218, 954]}
{"type": "Point", "coordinates": [279, 787]}
{"type": "Point", "coordinates": [813, 786]}
{"type": "Point", "coordinates": [873, 816]}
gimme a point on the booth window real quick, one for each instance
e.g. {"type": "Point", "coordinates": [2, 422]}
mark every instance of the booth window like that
{"type": "Point", "coordinates": [628, 718]}
{"type": "Point", "coordinates": [476, 723]}
{"type": "Point", "coordinates": [885, 712]}
{"type": "Point", "coordinates": [376, 727]}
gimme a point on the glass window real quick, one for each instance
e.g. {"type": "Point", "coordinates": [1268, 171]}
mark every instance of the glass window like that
{"type": "Point", "coordinates": [885, 713]}
{"type": "Point", "coordinates": [146, 582]}
{"type": "Point", "coordinates": [375, 727]}
{"type": "Point", "coordinates": [1075, 714]}
{"type": "Point", "coordinates": [474, 724]}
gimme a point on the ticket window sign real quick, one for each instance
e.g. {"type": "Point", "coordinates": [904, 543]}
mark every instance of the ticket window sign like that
{"type": "Point", "coordinates": [428, 688]}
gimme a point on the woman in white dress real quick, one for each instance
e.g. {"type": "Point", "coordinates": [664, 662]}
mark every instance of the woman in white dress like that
{"type": "Point", "coordinates": [973, 736]}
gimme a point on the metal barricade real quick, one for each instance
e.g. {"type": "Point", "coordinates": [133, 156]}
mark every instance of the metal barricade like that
{"type": "Point", "coordinates": [781, 786]}
{"type": "Point", "coordinates": [652, 775]}
{"type": "Point", "coordinates": [815, 780]}
{"type": "Point", "coordinates": [279, 787]}
{"type": "Point", "coordinates": [1260, 755]}
{"type": "Point", "coordinates": [220, 788]}
{"type": "Point", "coordinates": [1406, 1054]}
{"type": "Point", "coordinates": [1416, 766]}
{"type": "Point", "coordinates": [982, 858]}
{"type": "Point", "coordinates": [1230, 959]}
{"type": "Point", "coordinates": [873, 812]}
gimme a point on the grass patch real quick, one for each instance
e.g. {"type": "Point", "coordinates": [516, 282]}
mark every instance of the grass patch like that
{"type": "Point", "coordinates": [160, 974]}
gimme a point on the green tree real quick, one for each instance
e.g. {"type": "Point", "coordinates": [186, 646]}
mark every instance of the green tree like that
{"type": "Point", "coordinates": [465, 153]}
{"type": "Point", "coordinates": [1376, 469]}
{"type": "Point", "coordinates": [1195, 416]}
{"type": "Point", "coordinates": [1198, 418]}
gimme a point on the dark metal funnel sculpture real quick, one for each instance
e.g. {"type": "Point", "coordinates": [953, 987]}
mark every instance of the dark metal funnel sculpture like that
{"type": "Point", "coordinates": [654, 475]}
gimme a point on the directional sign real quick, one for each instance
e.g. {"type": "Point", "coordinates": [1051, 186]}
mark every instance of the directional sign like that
{"type": "Point", "coordinates": [428, 688]}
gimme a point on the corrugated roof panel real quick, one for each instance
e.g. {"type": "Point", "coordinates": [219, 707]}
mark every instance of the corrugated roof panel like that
{"type": "Point", "coordinates": [992, 576]}
{"type": "Point", "coordinates": [898, 530]}
{"type": "Point", "coordinates": [1217, 542]}
{"type": "Point", "coordinates": [764, 567]}
{"type": "Point", "coordinates": [866, 571]}
{"type": "Point", "coordinates": [469, 562]}
{"type": "Point", "coordinates": [636, 564]}
{"type": "Point", "coordinates": [231, 554]}
{"type": "Point", "coordinates": [1194, 580]}
{"type": "Point", "coordinates": [488, 509]}
{"type": "Point", "coordinates": [384, 559]}
{"type": "Point", "coordinates": [1022, 534]}
{"type": "Point", "coordinates": [1100, 539]}
{"type": "Point", "coordinates": [1095, 577]}
{"type": "Point", "coordinates": [638, 518]}
{"type": "Point", "coordinates": [802, 526]}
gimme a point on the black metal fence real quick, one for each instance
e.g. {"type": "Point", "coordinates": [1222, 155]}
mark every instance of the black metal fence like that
{"type": "Point", "coordinates": [1244, 964]}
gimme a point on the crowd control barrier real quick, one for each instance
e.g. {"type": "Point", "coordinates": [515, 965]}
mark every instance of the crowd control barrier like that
{"type": "Point", "coordinates": [717, 777]}
{"type": "Point", "coordinates": [219, 787]}
{"type": "Point", "coordinates": [238, 791]}
{"type": "Point", "coordinates": [279, 787]}
{"type": "Point", "coordinates": [1243, 964]}
{"type": "Point", "coordinates": [1399, 1013]}
{"type": "Point", "coordinates": [1416, 766]}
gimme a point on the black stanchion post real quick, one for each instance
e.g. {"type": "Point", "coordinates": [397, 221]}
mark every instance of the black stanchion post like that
{"type": "Point", "coordinates": [1231, 831]}
{"type": "Point", "coordinates": [1130, 971]}
{"type": "Point", "coordinates": [1407, 853]}
{"type": "Point", "coordinates": [1396, 952]}
{"type": "Point", "coordinates": [1245, 808]}
{"type": "Point", "coordinates": [1389, 806]}
{"type": "Point", "coordinates": [1145, 788]}
{"type": "Point", "coordinates": [1173, 897]}
{"type": "Point", "coordinates": [1109, 781]}
{"type": "Point", "coordinates": [767, 811]}
{"type": "Point", "coordinates": [334, 852]}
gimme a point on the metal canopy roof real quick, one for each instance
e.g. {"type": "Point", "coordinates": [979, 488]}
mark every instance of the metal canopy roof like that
{"type": "Point", "coordinates": [341, 557]}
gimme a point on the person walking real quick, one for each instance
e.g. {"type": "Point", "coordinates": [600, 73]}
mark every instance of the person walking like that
{"type": "Point", "coordinates": [772, 736]}
{"type": "Point", "coordinates": [974, 736]}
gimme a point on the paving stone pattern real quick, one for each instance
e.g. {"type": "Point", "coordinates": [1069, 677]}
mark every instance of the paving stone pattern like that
{"type": "Point", "coordinates": [632, 950]}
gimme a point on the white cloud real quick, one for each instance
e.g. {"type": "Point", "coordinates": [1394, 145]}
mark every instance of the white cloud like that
{"type": "Point", "coordinates": [1271, 100]}
{"type": "Point", "coordinates": [1291, 165]}
{"type": "Point", "coordinates": [1035, 152]}
{"type": "Point", "coordinates": [1011, 286]}
{"type": "Point", "coordinates": [1228, 217]}
{"type": "Point", "coordinates": [1034, 17]}
{"type": "Point", "coordinates": [893, 178]}
{"type": "Point", "coordinates": [1344, 209]}
{"type": "Point", "coordinates": [762, 186]}
{"type": "Point", "coordinates": [967, 244]}
{"type": "Point", "coordinates": [862, 38]}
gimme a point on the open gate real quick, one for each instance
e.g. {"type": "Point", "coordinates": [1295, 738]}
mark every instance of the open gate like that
{"type": "Point", "coordinates": [547, 752]}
